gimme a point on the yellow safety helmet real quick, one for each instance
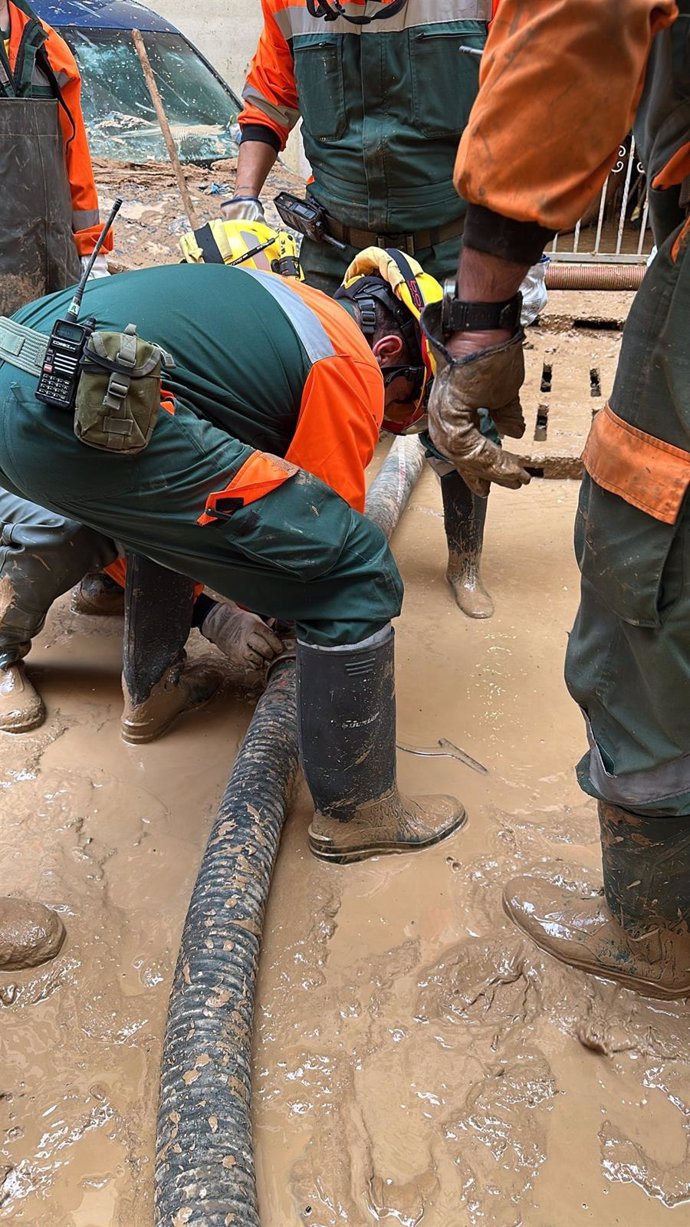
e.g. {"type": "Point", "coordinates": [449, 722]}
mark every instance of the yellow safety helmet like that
{"type": "Point", "coordinates": [400, 283]}
{"type": "Point", "coordinates": [245, 244]}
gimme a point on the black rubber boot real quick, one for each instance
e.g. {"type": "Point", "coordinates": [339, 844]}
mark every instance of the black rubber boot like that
{"type": "Point", "coordinates": [464, 516]}
{"type": "Point", "coordinates": [638, 932]}
{"type": "Point", "coordinates": [346, 704]}
{"type": "Point", "coordinates": [157, 682]}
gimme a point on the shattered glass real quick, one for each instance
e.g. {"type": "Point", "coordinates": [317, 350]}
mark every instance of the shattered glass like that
{"type": "Point", "coordinates": [119, 115]}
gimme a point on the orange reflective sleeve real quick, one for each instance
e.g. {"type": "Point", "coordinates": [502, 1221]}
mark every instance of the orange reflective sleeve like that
{"type": "Point", "coordinates": [559, 86]}
{"type": "Point", "coordinates": [338, 426]}
{"type": "Point", "coordinates": [86, 223]}
{"type": "Point", "coordinates": [270, 93]}
{"type": "Point", "coordinates": [648, 473]}
{"type": "Point", "coordinates": [258, 476]}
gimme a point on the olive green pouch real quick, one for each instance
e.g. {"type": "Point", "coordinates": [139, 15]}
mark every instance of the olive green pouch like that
{"type": "Point", "coordinates": [119, 391]}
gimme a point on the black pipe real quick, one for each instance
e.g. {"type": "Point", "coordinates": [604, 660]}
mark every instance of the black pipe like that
{"type": "Point", "coordinates": [204, 1174]}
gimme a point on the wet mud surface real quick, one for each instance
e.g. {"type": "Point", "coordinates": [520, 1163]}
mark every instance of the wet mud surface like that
{"type": "Point", "coordinates": [417, 1061]}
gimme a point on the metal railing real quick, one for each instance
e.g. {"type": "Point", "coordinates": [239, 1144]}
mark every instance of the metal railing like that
{"type": "Point", "coordinates": [615, 229]}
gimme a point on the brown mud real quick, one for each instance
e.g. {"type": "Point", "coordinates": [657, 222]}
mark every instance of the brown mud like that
{"type": "Point", "coordinates": [416, 1060]}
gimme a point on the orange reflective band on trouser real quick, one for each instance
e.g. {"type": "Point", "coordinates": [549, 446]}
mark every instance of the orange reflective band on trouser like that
{"type": "Point", "coordinates": [676, 169]}
{"type": "Point", "coordinates": [681, 240]}
{"type": "Point", "coordinates": [257, 477]}
{"type": "Point", "coordinates": [648, 473]}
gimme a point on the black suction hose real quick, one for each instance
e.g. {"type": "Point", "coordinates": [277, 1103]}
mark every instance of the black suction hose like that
{"type": "Point", "coordinates": [204, 1175]}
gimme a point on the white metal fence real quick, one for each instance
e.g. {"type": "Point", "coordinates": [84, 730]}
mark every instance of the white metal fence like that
{"type": "Point", "coordinates": [615, 229]}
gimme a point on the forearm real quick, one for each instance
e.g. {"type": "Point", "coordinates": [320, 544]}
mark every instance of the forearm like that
{"type": "Point", "coordinates": [254, 163]}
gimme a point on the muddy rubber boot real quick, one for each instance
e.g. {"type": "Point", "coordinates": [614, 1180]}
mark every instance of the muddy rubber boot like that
{"type": "Point", "coordinates": [638, 931]}
{"type": "Point", "coordinates": [98, 595]}
{"type": "Point", "coordinates": [30, 934]}
{"type": "Point", "coordinates": [346, 704]}
{"type": "Point", "coordinates": [464, 516]}
{"type": "Point", "coordinates": [21, 706]}
{"type": "Point", "coordinates": [157, 682]}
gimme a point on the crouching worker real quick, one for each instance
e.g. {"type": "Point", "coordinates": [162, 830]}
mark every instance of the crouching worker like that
{"type": "Point", "coordinates": [250, 480]}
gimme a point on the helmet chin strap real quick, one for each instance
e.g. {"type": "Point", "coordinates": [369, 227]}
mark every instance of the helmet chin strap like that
{"type": "Point", "coordinates": [331, 10]}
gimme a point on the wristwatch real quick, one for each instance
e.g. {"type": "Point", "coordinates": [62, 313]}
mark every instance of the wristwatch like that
{"type": "Point", "coordinates": [459, 316]}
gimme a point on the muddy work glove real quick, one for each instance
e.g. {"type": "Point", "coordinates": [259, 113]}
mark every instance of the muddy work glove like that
{"type": "Point", "coordinates": [490, 379]}
{"type": "Point", "coordinates": [243, 209]}
{"type": "Point", "coordinates": [246, 641]}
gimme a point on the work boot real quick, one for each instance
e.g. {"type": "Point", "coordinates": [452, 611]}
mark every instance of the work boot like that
{"type": "Point", "coordinates": [464, 516]}
{"type": "Point", "coordinates": [184, 687]}
{"type": "Point", "coordinates": [30, 934]}
{"type": "Point", "coordinates": [637, 932]}
{"type": "Point", "coordinates": [21, 706]}
{"type": "Point", "coordinates": [157, 683]}
{"type": "Point", "coordinates": [346, 703]}
{"type": "Point", "coordinates": [98, 595]}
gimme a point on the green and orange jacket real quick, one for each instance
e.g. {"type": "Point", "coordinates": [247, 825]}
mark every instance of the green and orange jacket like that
{"type": "Point", "coordinates": [21, 75]}
{"type": "Point", "coordinates": [382, 105]}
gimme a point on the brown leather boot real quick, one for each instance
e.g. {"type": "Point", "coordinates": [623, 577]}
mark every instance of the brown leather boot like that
{"type": "Point", "coordinates": [21, 706]}
{"type": "Point", "coordinates": [464, 516]}
{"type": "Point", "coordinates": [346, 702]}
{"type": "Point", "coordinates": [99, 596]}
{"type": "Point", "coordinates": [183, 687]}
{"type": "Point", "coordinates": [638, 933]}
{"type": "Point", "coordinates": [30, 934]}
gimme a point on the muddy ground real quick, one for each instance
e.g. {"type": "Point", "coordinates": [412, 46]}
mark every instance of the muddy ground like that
{"type": "Point", "coordinates": [416, 1060]}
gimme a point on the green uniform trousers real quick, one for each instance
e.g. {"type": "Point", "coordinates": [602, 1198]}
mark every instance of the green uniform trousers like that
{"type": "Point", "coordinates": [299, 553]}
{"type": "Point", "coordinates": [628, 660]}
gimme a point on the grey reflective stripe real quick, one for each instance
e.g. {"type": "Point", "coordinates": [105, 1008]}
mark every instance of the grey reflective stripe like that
{"type": "Point", "coordinates": [21, 346]}
{"type": "Point", "coordinates": [82, 219]}
{"type": "Point", "coordinates": [307, 325]}
{"type": "Point", "coordinates": [285, 116]}
{"type": "Point", "coordinates": [62, 78]}
{"type": "Point", "coordinates": [297, 20]}
{"type": "Point", "coordinates": [657, 784]}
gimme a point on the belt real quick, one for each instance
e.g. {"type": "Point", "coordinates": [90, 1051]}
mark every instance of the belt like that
{"type": "Point", "coordinates": [409, 243]}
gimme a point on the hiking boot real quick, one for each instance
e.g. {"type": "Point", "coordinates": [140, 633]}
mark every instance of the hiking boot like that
{"type": "Point", "coordinates": [184, 687]}
{"type": "Point", "coordinates": [30, 934]}
{"type": "Point", "coordinates": [98, 595]}
{"type": "Point", "coordinates": [21, 706]}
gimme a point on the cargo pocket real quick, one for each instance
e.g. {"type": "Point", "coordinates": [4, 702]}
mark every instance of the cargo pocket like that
{"type": "Point", "coordinates": [444, 80]}
{"type": "Point", "coordinates": [320, 85]}
{"type": "Point", "coordinates": [634, 563]}
{"type": "Point", "coordinates": [300, 528]}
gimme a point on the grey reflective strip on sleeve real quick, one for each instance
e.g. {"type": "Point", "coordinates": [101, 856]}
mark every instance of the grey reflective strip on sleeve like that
{"type": "Point", "coordinates": [285, 116]}
{"type": "Point", "coordinates": [83, 219]}
{"type": "Point", "coordinates": [21, 346]}
{"type": "Point", "coordinates": [307, 325]}
{"type": "Point", "coordinates": [297, 20]}
{"type": "Point", "coordinates": [657, 784]}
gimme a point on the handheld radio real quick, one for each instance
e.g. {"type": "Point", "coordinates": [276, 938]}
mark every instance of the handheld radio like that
{"type": "Point", "coordinates": [57, 382]}
{"type": "Point", "coordinates": [307, 217]}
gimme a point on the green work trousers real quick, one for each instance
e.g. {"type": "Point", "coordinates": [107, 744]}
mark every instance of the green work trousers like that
{"type": "Point", "coordinates": [628, 660]}
{"type": "Point", "coordinates": [300, 553]}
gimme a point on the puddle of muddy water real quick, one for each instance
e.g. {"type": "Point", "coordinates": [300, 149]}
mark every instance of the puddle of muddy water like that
{"type": "Point", "coordinates": [416, 1061]}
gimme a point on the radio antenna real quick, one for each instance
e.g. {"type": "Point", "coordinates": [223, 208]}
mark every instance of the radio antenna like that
{"type": "Point", "coordinates": [73, 309]}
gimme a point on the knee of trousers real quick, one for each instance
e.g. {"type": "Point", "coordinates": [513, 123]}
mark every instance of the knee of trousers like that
{"type": "Point", "coordinates": [359, 596]}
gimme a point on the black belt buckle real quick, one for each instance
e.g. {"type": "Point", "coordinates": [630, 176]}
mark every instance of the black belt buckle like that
{"type": "Point", "coordinates": [403, 242]}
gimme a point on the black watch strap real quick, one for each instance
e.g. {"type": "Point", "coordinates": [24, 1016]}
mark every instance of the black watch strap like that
{"type": "Point", "coordinates": [459, 316]}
